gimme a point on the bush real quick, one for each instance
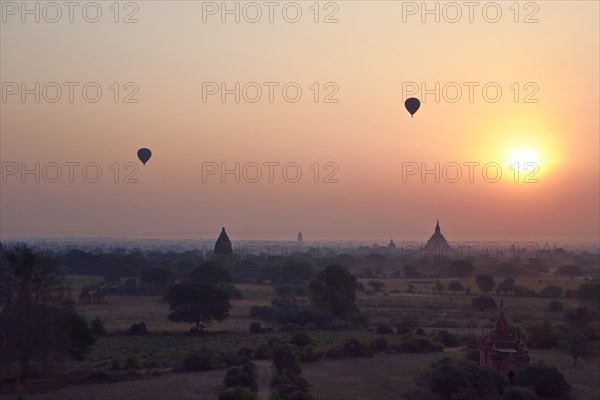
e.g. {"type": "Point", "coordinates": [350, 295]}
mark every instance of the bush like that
{"type": "Point", "coordinates": [255, 328]}
{"type": "Point", "coordinates": [544, 379]}
{"type": "Point", "coordinates": [310, 353]}
{"type": "Point", "coordinates": [237, 393]}
{"type": "Point", "coordinates": [407, 325]}
{"type": "Point", "coordinates": [483, 303]}
{"type": "Point", "coordinates": [462, 379]}
{"type": "Point", "coordinates": [138, 329]}
{"type": "Point", "coordinates": [420, 345]}
{"type": "Point", "coordinates": [378, 344]}
{"type": "Point", "coordinates": [555, 306]}
{"type": "Point", "coordinates": [97, 327]}
{"type": "Point", "coordinates": [334, 353]}
{"type": "Point", "coordinates": [472, 354]}
{"type": "Point", "coordinates": [552, 292]}
{"type": "Point", "coordinates": [206, 360]}
{"type": "Point", "coordinates": [133, 362]}
{"type": "Point", "coordinates": [245, 352]}
{"type": "Point", "coordinates": [285, 356]}
{"type": "Point", "coordinates": [519, 393]}
{"type": "Point", "coordinates": [384, 329]}
{"type": "Point", "coordinates": [263, 352]}
{"type": "Point", "coordinates": [300, 339]}
{"type": "Point", "coordinates": [244, 375]}
{"type": "Point", "coordinates": [544, 335]}
{"type": "Point", "coordinates": [448, 339]}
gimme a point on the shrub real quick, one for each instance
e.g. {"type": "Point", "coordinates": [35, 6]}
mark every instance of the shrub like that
{"type": "Point", "coordinates": [519, 393]}
{"type": "Point", "coordinates": [472, 354]}
{"type": "Point", "coordinates": [448, 339]}
{"type": "Point", "coordinates": [334, 353]}
{"type": "Point", "coordinates": [97, 327]}
{"type": "Point", "coordinates": [408, 325]}
{"type": "Point", "coordinates": [552, 292]}
{"type": "Point", "coordinates": [310, 353]}
{"type": "Point", "coordinates": [285, 356]}
{"type": "Point", "coordinates": [300, 339]}
{"type": "Point", "coordinates": [384, 329]}
{"type": "Point", "coordinates": [255, 328]}
{"type": "Point", "coordinates": [378, 344]}
{"type": "Point", "coordinates": [133, 362]}
{"type": "Point", "coordinates": [462, 379]}
{"type": "Point", "coordinates": [245, 352]}
{"type": "Point", "coordinates": [263, 352]}
{"type": "Point", "coordinates": [544, 379]}
{"type": "Point", "coordinates": [544, 335]}
{"type": "Point", "coordinates": [483, 303]}
{"type": "Point", "coordinates": [354, 348]}
{"type": "Point", "coordinates": [555, 306]}
{"type": "Point", "coordinates": [420, 345]}
{"type": "Point", "coordinates": [138, 329]}
{"type": "Point", "coordinates": [206, 360]}
{"type": "Point", "coordinates": [237, 393]}
{"type": "Point", "coordinates": [244, 375]}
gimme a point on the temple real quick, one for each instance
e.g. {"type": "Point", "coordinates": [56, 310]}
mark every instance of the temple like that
{"type": "Point", "coordinates": [502, 350]}
{"type": "Point", "coordinates": [391, 245]}
{"type": "Point", "coordinates": [300, 240]}
{"type": "Point", "coordinates": [437, 242]}
{"type": "Point", "coordinates": [223, 244]}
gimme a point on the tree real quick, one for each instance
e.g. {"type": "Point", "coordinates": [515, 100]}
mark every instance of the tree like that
{"type": "Point", "coordinates": [461, 268]}
{"type": "Point", "coordinates": [577, 344]}
{"type": "Point", "coordinates": [455, 286]}
{"type": "Point", "coordinates": [485, 283]}
{"type": "Point", "coordinates": [34, 326]}
{"type": "Point", "coordinates": [454, 379]}
{"type": "Point", "coordinates": [285, 356]}
{"type": "Point", "coordinates": [569, 270]}
{"type": "Point", "coordinates": [158, 276]}
{"type": "Point", "coordinates": [483, 303]}
{"type": "Point", "coordinates": [296, 270]}
{"type": "Point", "coordinates": [544, 379]}
{"type": "Point", "coordinates": [555, 306]}
{"type": "Point", "coordinates": [589, 292]}
{"type": "Point", "coordinates": [209, 274]}
{"type": "Point", "coordinates": [518, 393]}
{"type": "Point", "coordinates": [543, 334]}
{"type": "Point", "coordinates": [198, 304]}
{"type": "Point", "coordinates": [438, 287]}
{"type": "Point", "coordinates": [552, 292]}
{"type": "Point", "coordinates": [411, 272]}
{"type": "Point", "coordinates": [376, 285]}
{"type": "Point", "coordinates": [506, 287]}
{"type": "Point", "coordinates": [334, 289]}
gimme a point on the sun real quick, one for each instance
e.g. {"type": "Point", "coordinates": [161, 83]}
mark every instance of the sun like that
{"type": "Point", "coordinates": [522, 158]}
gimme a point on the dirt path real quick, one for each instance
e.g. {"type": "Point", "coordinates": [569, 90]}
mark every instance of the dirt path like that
{"type": "Point", "coordinates": [264, 374]}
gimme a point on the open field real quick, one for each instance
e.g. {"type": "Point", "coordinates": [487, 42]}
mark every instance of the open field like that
{"type": "Point", "coordinates": [387, 377]}
{"type": "Point", "coordinates": [180, 386]}
{"type": "Point", "coordinates": [425, 284]}
{"type": "Point", "coordinates": [119, 312]}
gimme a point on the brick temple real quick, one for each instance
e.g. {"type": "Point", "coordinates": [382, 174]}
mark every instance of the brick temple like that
{"type": "Point", "coordinates": [503, 351]}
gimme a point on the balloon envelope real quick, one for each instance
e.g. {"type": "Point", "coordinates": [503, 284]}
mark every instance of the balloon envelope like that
{"type": "Point", "coordinates": [144, 155]}
{"type": "Point", "coordinates": [412, 104]}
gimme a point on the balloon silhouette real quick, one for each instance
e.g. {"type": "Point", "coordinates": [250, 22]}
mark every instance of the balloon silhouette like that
{"type": "Point", "coordinates": [412, 104]}
{"type": "Point", "coordinates": [144, 155]}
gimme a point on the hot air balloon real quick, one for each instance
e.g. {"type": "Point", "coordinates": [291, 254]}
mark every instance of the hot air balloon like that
{"type": "Point", "coordinates": [412, 104]}
{"type": "Point", "coordinates": [144, 155]}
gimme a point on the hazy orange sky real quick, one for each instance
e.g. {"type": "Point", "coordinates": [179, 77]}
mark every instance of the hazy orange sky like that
{"type": "Point", "coordinates": [368, 55]}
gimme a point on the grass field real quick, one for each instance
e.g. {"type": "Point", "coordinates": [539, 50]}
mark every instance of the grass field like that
{"type": "Point", "coordinates": [387, 377]}
{"type": "Point", "coordinates": [381, 377]}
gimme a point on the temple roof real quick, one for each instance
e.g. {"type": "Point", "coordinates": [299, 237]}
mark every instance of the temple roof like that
{"type": "Point", "coordinates": [437, 240]}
